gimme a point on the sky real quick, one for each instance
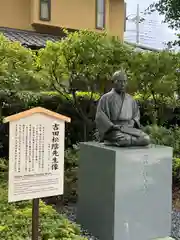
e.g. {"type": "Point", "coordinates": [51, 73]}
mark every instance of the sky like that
{"type": "Point", "coordinates": [153, 32]}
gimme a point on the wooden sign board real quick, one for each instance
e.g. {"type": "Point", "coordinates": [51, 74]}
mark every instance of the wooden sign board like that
{"type": "Point", "coordinates": [36, 154]}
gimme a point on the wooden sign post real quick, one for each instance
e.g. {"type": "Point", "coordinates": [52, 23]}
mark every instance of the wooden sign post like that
{"type": "Point", "coordinates": [35, 219]}
{"type": "Point", "coordinates": [36, 157]}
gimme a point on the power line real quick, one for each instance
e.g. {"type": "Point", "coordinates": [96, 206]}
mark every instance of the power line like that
{"type": "Point", "coordinates": [144, 28]}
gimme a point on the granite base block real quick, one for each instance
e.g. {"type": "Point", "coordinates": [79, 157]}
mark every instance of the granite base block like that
{"type": "Point", "coordinates": [125, 193]}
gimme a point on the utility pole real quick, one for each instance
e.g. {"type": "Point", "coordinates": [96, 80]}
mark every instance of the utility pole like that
{"type": "Point", "coordinates": [137, 24]}
{"type": "Point", "coordinates": [137, 19]}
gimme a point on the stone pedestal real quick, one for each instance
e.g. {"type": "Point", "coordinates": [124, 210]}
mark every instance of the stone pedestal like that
{"type": "Point", "coordinates": [125, 193]}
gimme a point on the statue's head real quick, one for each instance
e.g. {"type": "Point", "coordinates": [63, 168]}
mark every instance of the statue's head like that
{"type": "Point", "coordinates": [119, 80]}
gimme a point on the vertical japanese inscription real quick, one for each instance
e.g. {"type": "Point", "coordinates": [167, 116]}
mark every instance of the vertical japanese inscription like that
{"type": "Point", "coordinates": [30, 160]}
{"type": "Point", "coordinates": [33, 147]}
{"type": "Point", "coordinates": [55, 147]}
{"type": "Point", "coordinates": [36, 147]}
{"type": "Point", "coordinates": [145, 181]}
{"type": "Point", "coordinates": [41, 163]}
{"type": "Point", "coordinates": [29, 148]}
{"type": "Point", "coordinates": [42, 149]}
{"type": "Point", "coordinates": [16, 148]}
{"type": "Point", "coordinates": [26, 148]}
{"type": "Point", "coordinates": [19, 147]}
{"type": "Point", "coordinates": [23, 143]}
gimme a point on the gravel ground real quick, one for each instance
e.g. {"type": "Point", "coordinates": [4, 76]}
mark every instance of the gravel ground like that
{"type": "Point", "coordinates": [176, 224]}
{"type": "Point", "coordinates": [70, 212]}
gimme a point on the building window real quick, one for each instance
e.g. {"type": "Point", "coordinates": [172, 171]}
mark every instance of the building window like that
{"type": "Point", "coordinates": [45, 10]}
{"type": "Point", "coordinates": [100, 14]}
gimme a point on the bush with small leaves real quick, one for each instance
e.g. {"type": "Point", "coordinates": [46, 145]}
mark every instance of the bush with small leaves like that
{"type": "Point", "coordinates": [15, 220]}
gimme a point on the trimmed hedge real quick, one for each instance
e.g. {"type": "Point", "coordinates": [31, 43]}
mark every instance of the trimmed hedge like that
{"type": "Point", "coordinates": [12, 103]}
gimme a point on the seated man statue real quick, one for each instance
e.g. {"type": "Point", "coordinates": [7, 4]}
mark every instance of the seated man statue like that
{"type": "Point", "coordinates": [117, 116]}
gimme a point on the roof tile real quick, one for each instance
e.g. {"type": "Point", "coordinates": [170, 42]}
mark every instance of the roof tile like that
{"type": "Point", "coordinates": [28, 38]}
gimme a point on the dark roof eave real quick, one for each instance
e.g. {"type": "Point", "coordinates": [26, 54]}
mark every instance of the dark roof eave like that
{"type": "Point", "coordinates": [28, 38]}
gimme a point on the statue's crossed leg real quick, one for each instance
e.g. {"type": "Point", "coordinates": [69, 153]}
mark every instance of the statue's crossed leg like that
{"type": "Point", "coordinates": [119, 139]}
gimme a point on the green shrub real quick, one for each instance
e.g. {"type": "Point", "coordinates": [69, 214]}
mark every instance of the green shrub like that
{"type": "Point", "coordinates": [176, 171]}
{"type": "Point", "coordinates": [15, 220]}
{"type": "Point", "coordinates": [163, 136]}
{"type": "Point", "coordinates": [3, 165]}
{"type": "Point", "coordinates": [71, 169]}
{"type": "Point", "coordinates": [168, 137]}
{"type": "Point", "coordinates": [160, 135]}
{"type": "Point", "coordinates": [71, 157]}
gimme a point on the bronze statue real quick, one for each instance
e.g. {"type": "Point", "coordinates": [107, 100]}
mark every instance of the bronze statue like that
{"type": "Point", "coordinates": [118, 116]}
